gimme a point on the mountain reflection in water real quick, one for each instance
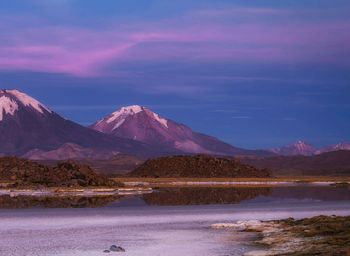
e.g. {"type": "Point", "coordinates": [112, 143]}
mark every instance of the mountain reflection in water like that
{"type": "Point", "coordinates": [197, 196]}
{"type": "Point", "coordinates": [22, 201]}
{"type": "Point", "coordinates": [185, 196]}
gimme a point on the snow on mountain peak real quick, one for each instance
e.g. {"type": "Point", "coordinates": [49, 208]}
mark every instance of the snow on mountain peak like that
{"type": "Point", "coordinates": [117, 118]}
{"type": "Point", "coordinates": [28, 101]}
{"type": "Point", "coordinates": [124, 112]}
{"type": "Point", "coordinates": [10, 100]}
{"type": "Point", "coordinates": [336, 147]}
{"type": "Point", "coordinates": [299, 147]}
{"type": "Point", "coordinates": [7, 105]}
{"type": "Point", "coordinates": [160, 120]}
{"type": "Point", "coordinates": [342, 145]}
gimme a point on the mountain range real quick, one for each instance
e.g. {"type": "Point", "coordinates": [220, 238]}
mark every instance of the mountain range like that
{"type": "Point", "coordinates": [30, 129]}
{"type": "Point", "coordinates": [334, 163]}
{"type": "Point", "coordinates": [141, 124]}
{"type": "Point", "coordinates": [27, 126]}
{"type": "Point", "coordinates": [306, 149]}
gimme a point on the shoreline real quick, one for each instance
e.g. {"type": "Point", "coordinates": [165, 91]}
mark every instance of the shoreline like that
{"type": "Point", "coordinates": [229, 182]}
{"type": "Point", "coordinates": [319, 235]}
{"type": "Point", "coordinates": [62, 192]}
{"type": "Point", "coordinates": [147, 185]}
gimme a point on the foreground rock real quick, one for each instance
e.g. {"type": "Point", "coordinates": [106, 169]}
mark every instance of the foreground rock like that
{"type": "Point", "coordinates": [197, 166]}
{"type": "Point", "coordinates": [20, 172]}
{"type": "Point", "coordinates": [321, 235]}
{"type": "Point", "coordinates": [115, 248]}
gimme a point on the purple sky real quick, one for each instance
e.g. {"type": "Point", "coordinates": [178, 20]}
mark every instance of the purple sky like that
{"type": "Point", "coordinates": [256, 74]}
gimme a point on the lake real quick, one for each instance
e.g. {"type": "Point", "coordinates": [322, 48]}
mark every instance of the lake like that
{"type": "Point", "coordinates": [170, 222]}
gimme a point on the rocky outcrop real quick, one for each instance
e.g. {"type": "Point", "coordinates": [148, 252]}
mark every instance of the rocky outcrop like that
{"type": "Point", "coordinates": [197, 166]}
{"type": "Point", "coordinates": [23, 172]}
{"type": "Point", "coordinates": [115, 248]}
{"type": "Point", "coordinates": [320, 235]}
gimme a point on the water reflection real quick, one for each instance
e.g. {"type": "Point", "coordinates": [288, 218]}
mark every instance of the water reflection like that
{"type": "Point", "coordinates": [324, 193]}
{"type": "Point", "coordinates": [198, 196]}
{"type": "Point", "coordinates": [185, 196]}
{"type": "Point", "coordinates": [6, 201]}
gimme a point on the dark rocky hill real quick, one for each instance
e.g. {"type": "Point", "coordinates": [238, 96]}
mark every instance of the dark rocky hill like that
{"type": "Point", "coordinates": [22, 172]}
{"type": "Point", "coordinates": [197, 166]}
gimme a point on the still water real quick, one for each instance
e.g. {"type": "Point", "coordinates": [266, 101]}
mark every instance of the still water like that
{"type": "Point", "coordinates": [167, 222]}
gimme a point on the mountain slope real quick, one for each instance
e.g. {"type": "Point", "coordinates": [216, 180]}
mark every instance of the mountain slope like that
{"type": "Point", "coordinates": [298, 148]}
{"type": "Point", "coordinates": [26, 124]}
{"type": "Point", "coordinates": [330, 148]}
{"type": "Point", "coordinates": [70, 151]}
{"type": "Point", "coordinates": [336, 163]}
{"type": "Point", "coordinates": [141, 124]}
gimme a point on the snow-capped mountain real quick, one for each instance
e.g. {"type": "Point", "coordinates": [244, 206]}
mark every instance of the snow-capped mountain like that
{"type": "Point", "coordinates": [26, 124]}
{"type": "Point", "coordinates": [12, 101]}
{"type": "Point", "coordinates": [339, 146]}
{"type": "Point", "coordinates": [306, 149]}
{"type": "Point", "coordinates": [141, 124]}
{"type": "Point", "coordinates": [298, 148]}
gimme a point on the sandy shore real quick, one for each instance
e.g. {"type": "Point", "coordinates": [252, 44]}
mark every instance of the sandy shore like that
{"type": "Point", "coordinates": [320, 235]}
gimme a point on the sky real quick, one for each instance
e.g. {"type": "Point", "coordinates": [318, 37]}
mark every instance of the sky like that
{"type": "Point", "coordinates": [256, 74]}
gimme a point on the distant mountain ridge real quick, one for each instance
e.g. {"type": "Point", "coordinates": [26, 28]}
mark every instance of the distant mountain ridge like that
{"type": "Point", "coordinates": [335, 163]}
{"type": "Point", "coordinates": [336, 147]}
{"type": "Point", "coordinates": [298, 148]}
{"type": "Point", "coordinates": [306, 149]}
{"type": "Point", "coordinates": [30, 129]}
{"type": "Point", "coordinates": [141, 124]}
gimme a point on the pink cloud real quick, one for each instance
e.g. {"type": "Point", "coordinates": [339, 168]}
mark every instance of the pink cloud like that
{"type": "Point", "coordinates": [84, 52]}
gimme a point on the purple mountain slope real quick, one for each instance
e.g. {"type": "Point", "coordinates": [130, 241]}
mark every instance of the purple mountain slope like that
{"type": "Point", "coordinates": [70, 151]}
{"type": "Point", "coordinates": [298, 148]}
{"type": "Point", "coordinates": [339, 146]}
{"type": "Point", "coordinates": [141, 124]}
{"type": "Point", "coordinates": [26, 124]}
